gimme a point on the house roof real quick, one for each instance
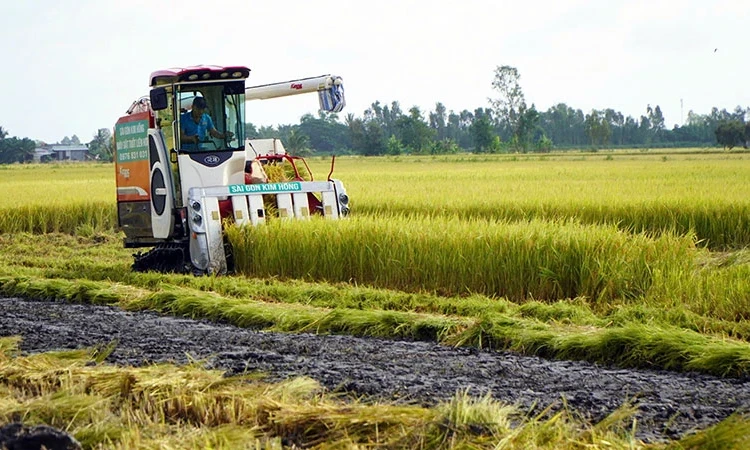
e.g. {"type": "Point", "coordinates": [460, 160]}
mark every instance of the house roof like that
{"type": "Point", "coordinates": [62, 148]}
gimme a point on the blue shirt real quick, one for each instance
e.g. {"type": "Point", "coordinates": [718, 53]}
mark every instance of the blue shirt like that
{"type": "Point", "coordinates": [190, 128]}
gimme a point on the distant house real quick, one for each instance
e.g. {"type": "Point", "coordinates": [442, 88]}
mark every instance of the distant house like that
{"type": "Point", "coordinates": [60, 152]}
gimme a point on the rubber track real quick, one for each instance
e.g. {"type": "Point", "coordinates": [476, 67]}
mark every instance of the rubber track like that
{"type": "Point", "coordinates": [166, 258]}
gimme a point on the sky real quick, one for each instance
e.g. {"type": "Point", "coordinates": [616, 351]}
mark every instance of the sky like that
{"type": "Point", "coordinates": [72, 67]}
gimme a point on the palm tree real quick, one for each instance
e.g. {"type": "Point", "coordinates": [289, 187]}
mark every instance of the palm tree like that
{"type": "Point", "coordinates": [298, 143]}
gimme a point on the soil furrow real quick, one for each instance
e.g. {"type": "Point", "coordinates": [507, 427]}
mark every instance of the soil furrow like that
{"type": "Point", "coordinates": [670, 404]}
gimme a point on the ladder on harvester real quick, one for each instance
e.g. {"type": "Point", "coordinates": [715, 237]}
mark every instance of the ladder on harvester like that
{"type": "Point", "coordinates": [292, 202]}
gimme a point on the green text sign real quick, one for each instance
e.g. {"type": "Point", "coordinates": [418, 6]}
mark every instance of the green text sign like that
{"type": "Point", "coordinates": [289, 186]}
{"type": "Point", "coordinates": [132, 141]}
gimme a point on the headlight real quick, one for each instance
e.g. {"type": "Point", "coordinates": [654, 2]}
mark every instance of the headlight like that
{"type": "Point", "coordinates": [344, 199]}
{"type": "Point", "coordinates": [196, 206]}
{"type": "Point", "coordinates": [344, 211]}
{"type": "Point", "coordinates": [197, 219]}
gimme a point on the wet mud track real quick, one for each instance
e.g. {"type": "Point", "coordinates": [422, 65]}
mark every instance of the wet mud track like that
{"type": "Point", "coordinates": [670, 404]}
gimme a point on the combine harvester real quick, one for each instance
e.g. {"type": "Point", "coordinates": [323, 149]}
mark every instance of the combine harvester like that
{"type": "Point", "coordinates": [176, 197]}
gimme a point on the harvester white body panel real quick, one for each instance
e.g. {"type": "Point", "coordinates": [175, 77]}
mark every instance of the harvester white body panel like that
{"type": "Point", "coordinates": [265, 147]}
{"type": "Point", "coordinates": [193, 173]}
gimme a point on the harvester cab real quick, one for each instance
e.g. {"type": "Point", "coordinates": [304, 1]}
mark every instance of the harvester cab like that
{"type": "Point", "coordinates": [184, 174]}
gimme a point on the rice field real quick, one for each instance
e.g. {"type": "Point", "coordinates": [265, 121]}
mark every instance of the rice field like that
{"type": "Point", "coordinates": [611, 228]}
{"type": "Point", "coordinates": [698, 192]}
{"type": "Point", "coordinates": [632, 258]}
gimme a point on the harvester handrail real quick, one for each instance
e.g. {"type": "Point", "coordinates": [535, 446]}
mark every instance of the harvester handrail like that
{"type": "Point", "coordinates": [333, 161]}
{"type": "Point", "coordinates": [290, 159]}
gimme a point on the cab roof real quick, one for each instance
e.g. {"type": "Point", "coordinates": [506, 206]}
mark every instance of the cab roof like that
{"type": "Point", "coordinates": [197, 73]}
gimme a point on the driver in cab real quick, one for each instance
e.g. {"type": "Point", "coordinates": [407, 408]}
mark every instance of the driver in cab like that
{"type": "Point", "coordinates": [196, 125]}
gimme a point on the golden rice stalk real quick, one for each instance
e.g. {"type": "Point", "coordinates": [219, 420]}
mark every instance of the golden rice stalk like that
{"type": "Point", "coordinates": [285, 172]}
{"type": "Point", "coordinates": [278, 173]}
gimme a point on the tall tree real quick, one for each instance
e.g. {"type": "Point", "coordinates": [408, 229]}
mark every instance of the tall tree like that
{"type": "Point", "coordinates": [616, 121]}
{"type": "Point", "coordinates": [528, 118]}
{"type": "Point", "coordinates": [508, 105]}
{"type": "Point", "coordinates": [101, 145]}
{"type": "Point", "coordinates": [564, 125]}
{"type": "Point", "coordinates": [438, 121]}
{"type": "Point", "coordinates": [390, 117]}
{"type": "Point", "coordinates": [375, 142]}
{"type": "Point", "coordinates": [645, 133]}
{"type": "Point", "coordinates": [482, 132]}
{"type": "Point", "coordinates": [457, 128]}
{"type": "Point", "coordinates": [366, 136]}
{"type": "Point", "coordinates": [251, 132]}
{"type": "Point", "coordinates": [656, 118]}
{"type": "Point", "coordinates": [597, 127]}
{"type": "Point", "coordinates": [740, 113]}
{"type": "Point", "coordinates": [325, 132]}
{"type": "Point", "coordinates": [356, 132]}
{"type": "Point", "coordinates": [414, 132]}
{"type": "Point", "coordinates": [730, 134]}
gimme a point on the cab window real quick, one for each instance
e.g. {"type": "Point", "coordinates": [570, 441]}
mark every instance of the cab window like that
{"type": "Point", "coordinates": [220, 107]}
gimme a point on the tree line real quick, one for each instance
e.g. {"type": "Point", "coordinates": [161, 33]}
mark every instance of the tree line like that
{"type": "Point", "coordinates": [386, 130]}
{"type": "Point", "coordinates": [507, 124]}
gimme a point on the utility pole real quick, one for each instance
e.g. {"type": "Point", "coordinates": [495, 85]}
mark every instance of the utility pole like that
{"type": "Point", "coordinates": [682, 120]}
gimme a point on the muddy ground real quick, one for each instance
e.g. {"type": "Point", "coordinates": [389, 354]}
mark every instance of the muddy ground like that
{"type": "Point", "coordinates": [670, 404]}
